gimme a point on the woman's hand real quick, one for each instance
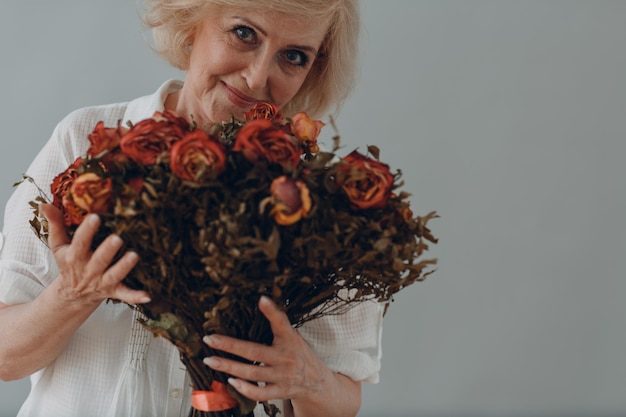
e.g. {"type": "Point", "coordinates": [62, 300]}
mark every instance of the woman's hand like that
{"type": "Point", "coordinates": [290, 370]}
{"type": "Point", "coordinates": [35, 333]}
{"type": "Point", "coordinates": [87, 276]}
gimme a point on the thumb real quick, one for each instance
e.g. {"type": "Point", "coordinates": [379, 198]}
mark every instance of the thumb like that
{"type": "Point", "coordinates": [57, 234]}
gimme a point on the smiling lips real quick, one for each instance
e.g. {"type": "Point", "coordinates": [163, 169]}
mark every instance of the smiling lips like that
{"type": "Point", "coordinates": [238, 98]}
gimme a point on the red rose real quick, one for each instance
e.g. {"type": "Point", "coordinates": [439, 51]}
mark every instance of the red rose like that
{"type": "Point", "coordinates": [60, 189]}
{"type": "Point", "coordinates": [307, 130]}
{"type": "Point", "coordinates": [366, 181]}
{"type": "Point", "coordinates": [62, 183]}
{"type": "Point", "coordinates": [291, 200]}
{"type": "Point", "coordinates": [197, 156]}
{"type": "Point", "coordinates": [91, 192]}
{"type": "Point", "coordinates": [264, 111]}
{"type": "Point", "coordinates": [262, 139]}
{"type": "Point", "coordinates": [146, 141]}
{"type": "Point", "coordinates": [104, 138]}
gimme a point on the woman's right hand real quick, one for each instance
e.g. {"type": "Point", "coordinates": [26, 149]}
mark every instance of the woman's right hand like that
{"type": "Point", "coordinates": [35, 333]}
{"type": "Point", "coordinates": [85, 276]}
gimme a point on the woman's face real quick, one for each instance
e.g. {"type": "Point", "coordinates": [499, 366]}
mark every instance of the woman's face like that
{"type": "Point", "coordinates": [241, 56]}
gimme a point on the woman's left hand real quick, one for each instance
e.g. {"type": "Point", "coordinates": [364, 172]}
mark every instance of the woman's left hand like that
{"type": "Point", "coordinates": [290, 370]}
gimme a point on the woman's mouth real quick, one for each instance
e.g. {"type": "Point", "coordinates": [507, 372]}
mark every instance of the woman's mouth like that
{"type": "Point", "coordinates": [238, 98]}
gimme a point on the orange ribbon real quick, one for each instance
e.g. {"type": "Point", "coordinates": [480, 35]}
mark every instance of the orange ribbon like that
{"type": "Point", "coordinates": [216, 400]}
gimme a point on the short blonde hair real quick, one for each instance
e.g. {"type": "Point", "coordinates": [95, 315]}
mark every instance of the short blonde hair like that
{"type": "Point", "coordinates": [332, 76]}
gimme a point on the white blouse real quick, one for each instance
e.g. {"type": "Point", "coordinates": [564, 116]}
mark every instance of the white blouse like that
{"type": "Point", "coordinates": [113, 367]}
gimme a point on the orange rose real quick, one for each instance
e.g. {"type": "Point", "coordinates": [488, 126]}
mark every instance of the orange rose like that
{"type": "Point", "coordinates": [150, 138]}
{"type": "Point", "coordinates": [366, 181]}
{"type": "Point", "coordinates": [91, 192]}
{"type": "Point", "coordinates": [72, 214]}
{"type": "Point", "coordinates": [262, 139]}
{"type": "Point", "coordinates": [266, 111]}
{"type": "Point", "coordinates": [197, 156]}
{"type": "Point", "coordinates": [307, 130]}
{"type": "Point", "coordinates": [291, 200]}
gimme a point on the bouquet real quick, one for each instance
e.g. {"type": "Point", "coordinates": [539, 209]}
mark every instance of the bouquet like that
{"type": "Point", "coordinates": [248, 208]}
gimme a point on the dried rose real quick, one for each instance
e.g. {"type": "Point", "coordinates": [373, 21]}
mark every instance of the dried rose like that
{"type": "Point", "coordinates": [266, 111]}
{"type": "Point", "coordinates": [291, 200]}
{"type": "Point", "coordinates": [197, 156]}
{"type": "Point", "coordinates": [62, 183]}
{"type": "Point", "coordinates": [262, 139]}
{"type": "Point", "coordinates": [171, 117]}
{"type": "Point", "coordinates": [104, 138]}
{"type": "Point", "coordinates": [60, 189]}
{"type": "Point", "coordinates": [72, 214]}
{"type": "Point", "coordinates": [366, 182]}
{"type": "Point", "coordinates": [307, 130]}
{"type": "Point", "coordinates": [150, 138]}
{"type": "Point", "coordinates": [406, 213]}
{"type": "Point", "coordinates": [91, 192]}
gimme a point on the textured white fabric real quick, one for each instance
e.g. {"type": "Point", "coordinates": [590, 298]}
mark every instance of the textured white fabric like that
{"type": "Point", "coordinates": [113, 367]}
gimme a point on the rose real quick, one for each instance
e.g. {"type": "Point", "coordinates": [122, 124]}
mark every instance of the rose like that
{"type": "Point", "coordinates": [105, 146]}
{"type": "Point", "coordinates": [72, 214]}
{"type": "Point", "coordinates": [266, 111]}
{"type": "Point", "coordinates": [146, 141]}
{"type": "Point", "coordinates": [62, 183]}
{"type": "Point", "coordinates": [104, 138]}
{"type": "Point", "coordinates": [91, 192]}
{"type": "Point", "coordinates": [262, 139]}
{"type": "Point", "coordinates": [197, 156]}
{"type": "Point", "coordinates": [366, 182]}
{"type": "Point", "coordinates": [60, 189]}
{"type": "Point", "coordinates": [291, 200]}
{"type": "Point", "coordinates": [307, 130]}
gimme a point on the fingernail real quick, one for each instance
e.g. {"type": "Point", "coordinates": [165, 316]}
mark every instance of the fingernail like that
{"type": "Point", "coordinates": [212, 340]}
{"type": "Point", "coordinates": [212, 361]}
{"type": "Point", "coordinates": [234, 382]}
{"type": "Point", "coordinates": [93, 218]}
{"type": "Point", "coordinates": [265, 300]}
{"type": "Point", "coordinates": [145, 299]}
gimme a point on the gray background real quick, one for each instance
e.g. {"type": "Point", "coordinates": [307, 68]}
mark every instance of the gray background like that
{"type": "Point", "coordinates": [507, 117]}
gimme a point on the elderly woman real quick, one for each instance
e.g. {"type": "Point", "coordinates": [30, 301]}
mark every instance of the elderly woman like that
{"type": "Point", "coordinates": [91, 358]}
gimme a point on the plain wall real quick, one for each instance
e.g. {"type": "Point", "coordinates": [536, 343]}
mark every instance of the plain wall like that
{"type": "Point", "coordinates": [507, 117]}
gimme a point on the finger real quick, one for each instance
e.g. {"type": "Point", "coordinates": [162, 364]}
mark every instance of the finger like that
{"type": "Point", "coordinates": [57, 235]}
{"type": "Point", "coordinates": [249, 372]}
{"type": "Point", "coordinates": [130, 296]}
{"type": "Point", "coordinates": [279, 322]}
{"type": "Point", "coordinates": [116, 274]}
{"type": "Point", "coordinates": [256, 392]}
{"type": "Point", "coordinates": [105, 253]}
{"type": "Point", "coordinates": [118, 271]}
{"type": "Point", "coordinates": [83, 237]}
{"type": "Point", "coordinates": [254, 352]}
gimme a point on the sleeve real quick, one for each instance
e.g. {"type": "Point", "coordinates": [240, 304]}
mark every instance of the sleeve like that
{"type": "Point", "coordinates": [349, 343]}
{"type": "Point", "coordinates": [26, 264]}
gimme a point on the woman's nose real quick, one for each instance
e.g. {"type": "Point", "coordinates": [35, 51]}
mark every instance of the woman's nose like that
{"type": "Point", "coordinates": [257, 72]}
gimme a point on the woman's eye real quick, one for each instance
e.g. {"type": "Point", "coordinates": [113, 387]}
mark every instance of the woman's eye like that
{"type": "Point", "coordinates": [245, 33]}
{"type": "Point", "coordinates": [297, 58]}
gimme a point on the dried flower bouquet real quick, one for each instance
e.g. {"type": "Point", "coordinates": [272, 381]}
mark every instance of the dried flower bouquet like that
{"type": "Point", "coordinates": [249, 208]}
